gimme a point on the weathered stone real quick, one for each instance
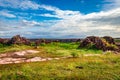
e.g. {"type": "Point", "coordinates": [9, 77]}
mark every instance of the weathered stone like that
{"type": "Point", "coordinates": [99, 43]}
{"type": "Point", "coordinates": [1, 41]}
{"type": "Point", "coordinates": [109, 39]}
{"type": "Point", "coordinates": [18, 40]}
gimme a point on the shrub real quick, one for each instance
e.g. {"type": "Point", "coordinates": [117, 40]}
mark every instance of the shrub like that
{"type": "Point", "coordinates": [91, 46]}
{"type": "Point", "coordinates": [74, 55]}
{"type": "Point", "coordinates": [42, 44]}
{"type": "Point", "coordinates": [32, 44]}
{"type": "Point", "coordinates": [1, 45]}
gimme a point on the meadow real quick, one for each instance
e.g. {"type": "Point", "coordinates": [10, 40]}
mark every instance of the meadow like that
{"type": "Point", "coordinates": [105, 66]}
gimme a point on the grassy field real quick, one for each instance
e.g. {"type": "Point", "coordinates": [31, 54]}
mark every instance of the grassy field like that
{"type": "Point", "coordinates": [13, 48]}
{"type": "Point", "coordinates": [53, 49]}
{"type": "Point", "coordinates": [117, 40]}
{"type": "Point", "coordinates": [67, 49]}
{"type": "Point", "coordinates": [103, 67]}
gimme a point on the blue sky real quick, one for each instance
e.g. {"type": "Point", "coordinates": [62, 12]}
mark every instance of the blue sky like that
{"type": "Point", "coordinates": [59, 18]}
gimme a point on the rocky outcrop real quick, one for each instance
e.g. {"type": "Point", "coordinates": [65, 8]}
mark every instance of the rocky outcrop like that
{"type": "Point", "coordinates": [109, 39]}
{"type": "Point", "coordinates": [105, 43]}
{"type": "Point", "coordinates": [99, 44]}
{"type": "Point", "coordinates": [1, 41]}
{"type": "Point", "coordinates": [18, 40]}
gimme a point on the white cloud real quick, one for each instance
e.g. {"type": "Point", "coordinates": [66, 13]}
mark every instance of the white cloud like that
{"type": "Point", "coordinates": [29, 5]}
{"type": "Point", "coordinates": [48, 15]}
{"type": "Point", "coordinates": [7, 14]}
{"type": "Point", "coordinates": [104, 22]}
{"type": "Point", "coordinates": [111, 4]}
{"type": "Point", "coordinates": [22, 4]}
{"type": "Point", "coordinates": [58, 12]}
{"type": "Point", "coordinates": [31, 23]}
{"type": "Point", "coordinates": [70, 23]}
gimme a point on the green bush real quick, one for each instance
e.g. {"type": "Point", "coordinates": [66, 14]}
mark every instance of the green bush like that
{"type": "Point", "coordinates": [91, 46]}
{"type": "Point", "coordinates": [1, 45]}
{"type": "Point", "coordinates": [74, 55]}
{"type": "Point", "coordinates": [42, 44]}
{"type": "Point", "coordinates": [32, 44]}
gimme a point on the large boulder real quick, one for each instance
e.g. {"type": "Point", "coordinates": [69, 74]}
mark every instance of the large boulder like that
{"type": "Point", "coordinates": [18, 40]}
{"type": "Point", "coordinates": [106, 43]}
{"type": "Point", "coordinates": [96, 41]}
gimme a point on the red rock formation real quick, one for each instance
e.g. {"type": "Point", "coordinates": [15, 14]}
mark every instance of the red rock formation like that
{"type": "Point", "coordinates": [18, 40]}
{"type": "Point", "coordinates": [1, 40]}
{"type": "Point", "coordinates": [109, 39]}
{"type": "Point", "coordinates": [108, 44]}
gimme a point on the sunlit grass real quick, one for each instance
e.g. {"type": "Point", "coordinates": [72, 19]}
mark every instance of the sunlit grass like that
{"type": "Point", "coordinates": [104, 67]}
{"type": "Point", "coordinates": [13, 48]}
{"type": "Point", "coordinates": [66, 49]}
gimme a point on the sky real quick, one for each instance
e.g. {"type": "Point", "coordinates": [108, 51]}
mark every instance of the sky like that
{"type": "Point", "coordinates": [59, 18]}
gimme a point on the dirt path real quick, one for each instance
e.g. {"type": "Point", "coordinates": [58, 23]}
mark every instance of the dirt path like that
{"type": "Point", "coordinates": [21, 60]}
{"type": "Point", "coordinates": [17, 57]}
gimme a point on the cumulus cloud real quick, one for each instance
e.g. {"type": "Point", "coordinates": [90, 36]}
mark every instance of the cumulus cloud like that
{"type": "Point", "coordinates": [111, 4]}
{"type": "Point", "coordinates": [73, 26]}
{"type": "Point", "coordinates": [7, 14]}
{"type": "Point", "coordinates": [22, 4]}
{"type": "Point", "coordinates": [105, 22]}
{"type": "Point", "coordinates": [70, 24]}
{"type": "Point", "coordinates": [31, 23]}
{"type": "Point", "coordinates": [58, 13]}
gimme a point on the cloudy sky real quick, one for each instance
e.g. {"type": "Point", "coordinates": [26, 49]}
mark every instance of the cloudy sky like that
{"type": "Point", "coordinates": [59, 18]}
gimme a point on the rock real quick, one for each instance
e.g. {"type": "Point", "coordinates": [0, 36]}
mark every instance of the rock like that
{"type": "Point", "coordinates": [40, 41]}
{"type": "Point", "coordinates": [109, 39]}
{"type": "Point", "coordinates": [99, 43]}
{"type": "Point", "coordinates": [1, 41]}
{"type": "Point", "coordinates": [18, 40]}
{"type": "Point", "coordinates": [78, 40]}
{"type": "Point", "coordinates": [79, 67]}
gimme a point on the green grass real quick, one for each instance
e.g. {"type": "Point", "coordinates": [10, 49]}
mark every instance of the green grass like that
{"type": "Point", "coordinates": [52, 50]}
{"type": "Point", "coordinates": [104, 67]}
{"type": "Point", "coordinates": [117, 40]}
{"type": "Point", "coordinates": [66, 49]}
{"type": "Point", "coordinates": [13, 48]}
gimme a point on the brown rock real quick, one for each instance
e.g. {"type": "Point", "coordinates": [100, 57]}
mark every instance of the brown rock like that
{"type": "Point", "coordinates": [99, 43]}
{"type": "Point", "coordinates": [109, 39]}
{"type": "Point", "coordinates": [1, 40]}
{"type": "Point", "coordinates": [18, 40]}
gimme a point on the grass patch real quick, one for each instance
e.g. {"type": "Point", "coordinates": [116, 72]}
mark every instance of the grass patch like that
{"type": "Point", "coordinates": [13, 48]}
{"type": "Point", "coordinates": [66, 49]}
{"type": "Point", "coordinates": [117, 40]}
{"type": "Point", "coordinates": [52, 50]}
{"type": "Point", "coordinates": [103, 67]}
{"type": "Point", "coordinates": [94, 68]}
